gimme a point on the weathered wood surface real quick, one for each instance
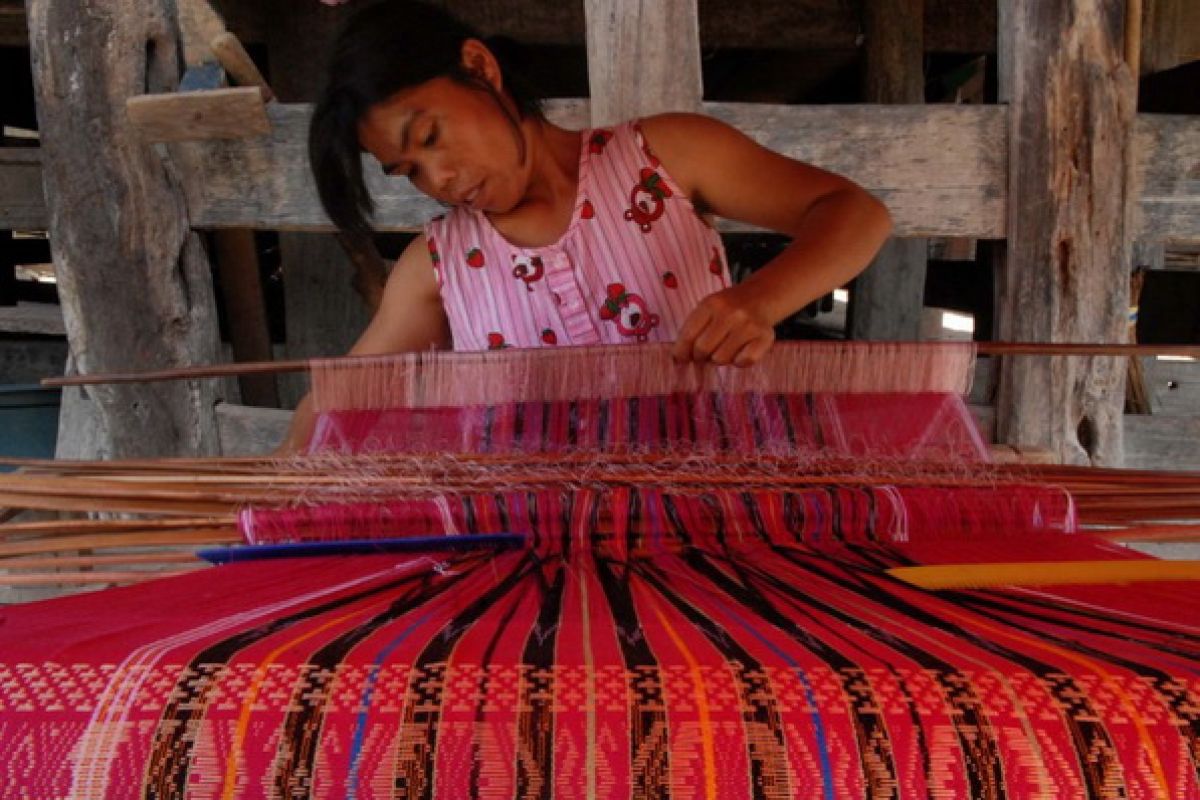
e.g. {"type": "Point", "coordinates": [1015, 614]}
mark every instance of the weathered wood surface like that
{"type": "Point", "coordinates": [1174, 387]}
{"type": "Point", "coordinates": [22, 202]}
{"type": "Point", "coordinates": [133, 279]}
{"type": "Point", "coordinates": [44, 319]}
{"type": "Point", "coordinates": [939, 168]}
{"type": "Point", "coordinates": [1069, 230]}
{"type": "Point", "coordinates": [886, 299]}
{"type": "Point", "coordinates": [1167, 176]}
{"type": "Point", "coordinates": [951, 26]}
{"type": "Point", "coordinates": [643, 58]}
{"type": "Point", "coordinates": [1154, 441]}
{"type": "Point", "coordinates": [1170, 34]}
{"type": "Point", "coordinates": [233, 113]}
{"type": "Point", "coordinates": [251, 431]}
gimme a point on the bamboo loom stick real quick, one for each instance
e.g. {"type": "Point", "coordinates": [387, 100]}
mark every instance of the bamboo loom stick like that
{"type": "Point", "coordinates": [305, 365]}
{"type": "Point", "coordinates": [30, 547]}
{"type": "Point", "coordinates": [53, 562]}
{"type": "Point", "coordinates": [82, 578]}
{"type": "Point", "coordinates": [67, 527]}
{"type": "Point", "coordinates": [1152, 533]}
{"type": "Point", "coordinates": [981, 576]}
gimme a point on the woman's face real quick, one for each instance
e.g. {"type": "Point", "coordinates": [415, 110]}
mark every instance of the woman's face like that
{"type": "Point", "coordinates": [454, 142]}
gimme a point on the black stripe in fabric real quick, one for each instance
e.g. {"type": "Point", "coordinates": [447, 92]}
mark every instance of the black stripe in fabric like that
{"type": "Point", "coordinates": [481, 690]}
{"type": "Point", "coordinates": [426, 683]}
{"type": "Point", "coordinates": [814, 421]}
{"type": "Point", "coordinates": [602, 423]}
{"type": "Point", "coordinates": [535, 726]}
{"type": "Point", "coordinates": [489, 422]}
{"type": "Point", "coordinates": [573, 423]}
{"type": "Point", "coordinates": [518, 423]}
{"type": "Point", "coordinates": [718, 415]}
{"type": "Point", "coordinates": [678, 529]}
{"type": "Point", "coordinates": [633, 431]}
{"type": "Point", "coordinates": [170, 757]}
{"type": "Point", "coordinates": [785, 411]}
{"type": "Point", "coordinates": [649, 750]}
{"type": "Point", "coordinates": [545, 445]}
{"type": "Point", "coordinates": [753, 404]}
{"type": "Point", "coordinates": [295, 762]}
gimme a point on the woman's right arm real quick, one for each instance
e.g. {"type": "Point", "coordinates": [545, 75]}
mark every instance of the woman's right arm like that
{"type": "Point", "coordinates": [409, 318]}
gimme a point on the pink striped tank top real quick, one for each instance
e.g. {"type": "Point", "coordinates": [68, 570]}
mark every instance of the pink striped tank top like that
{"type": "Point", "coordinates": [633, 263]}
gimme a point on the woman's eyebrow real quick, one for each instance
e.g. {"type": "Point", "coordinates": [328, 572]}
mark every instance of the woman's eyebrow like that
{"type": "Point", "coordinates": [405, 127]}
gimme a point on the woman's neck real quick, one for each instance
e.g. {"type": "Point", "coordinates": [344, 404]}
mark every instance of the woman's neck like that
{"type": "Point", "coordinates": [544, 212]}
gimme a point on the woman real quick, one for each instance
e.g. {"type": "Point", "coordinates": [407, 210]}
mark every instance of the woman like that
{"type": "Point", "coordinates": [558, 237]}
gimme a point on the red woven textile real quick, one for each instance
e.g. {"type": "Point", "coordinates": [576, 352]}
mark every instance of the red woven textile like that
{"type": "Point", "coordinates": [721, 641]}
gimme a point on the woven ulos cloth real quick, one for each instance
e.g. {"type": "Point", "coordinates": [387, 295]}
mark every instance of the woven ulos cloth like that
{"type": "Point", "coordinates": [700, 609]}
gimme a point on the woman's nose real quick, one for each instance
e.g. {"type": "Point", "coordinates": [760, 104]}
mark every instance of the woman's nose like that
{"type": "Point", "coordinates": [442, 177]}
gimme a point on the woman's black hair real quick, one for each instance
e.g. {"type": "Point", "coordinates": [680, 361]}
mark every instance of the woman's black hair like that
{"type": "Point", "coordinates": [383, 48]}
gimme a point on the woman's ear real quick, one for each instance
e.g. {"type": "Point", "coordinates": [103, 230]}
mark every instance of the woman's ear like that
{"type": "Point", "coordinates": [479, 61]}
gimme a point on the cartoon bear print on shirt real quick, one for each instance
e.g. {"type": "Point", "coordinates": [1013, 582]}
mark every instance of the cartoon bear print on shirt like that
{"type": "Point", "coordinates": [628, 312]}
{"type": "Point", "coordinates": [530, 271]}
{"type": "Point", "coordinates": [647, 200]}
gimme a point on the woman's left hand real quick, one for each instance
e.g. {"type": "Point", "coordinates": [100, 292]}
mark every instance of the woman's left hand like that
{"type": "Point", "coordinates": [727, 327]}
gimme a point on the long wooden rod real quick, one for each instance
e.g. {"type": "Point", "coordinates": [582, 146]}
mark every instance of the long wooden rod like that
{"type": "Point", "coordinates": [304, 365]}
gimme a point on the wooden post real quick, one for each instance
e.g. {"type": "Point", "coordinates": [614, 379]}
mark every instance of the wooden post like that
{"type": "Point", "coordinates": [323, 312]}
{"type": "Point", "coordinates": [134, 280]}
{"type": "Point", "coordinates": [887, 298]}
{"type": "Point", "coordinates": [643, 58]}
{"type": "Point", "coordinates": [245, 309]}
{"type": "Point", "coordinates": [1066, 277]}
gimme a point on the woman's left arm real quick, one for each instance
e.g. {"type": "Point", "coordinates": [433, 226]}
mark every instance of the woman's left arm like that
{"type": "Point", "coordinates": [835, 225]}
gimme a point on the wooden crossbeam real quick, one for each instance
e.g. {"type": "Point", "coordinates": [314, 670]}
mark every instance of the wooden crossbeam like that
{"type": "Point", "coordinates": [941, 169]}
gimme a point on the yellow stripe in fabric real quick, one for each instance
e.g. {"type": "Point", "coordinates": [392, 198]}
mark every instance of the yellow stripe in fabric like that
{"type": "Point", "coordinates": [706, 738]}
{"type": "Point", "coordinates": [590, 679]}
{"type": "Point", "coordinates": [229, 788]}
{"type": "Point", "coordinates": [1045, 573]}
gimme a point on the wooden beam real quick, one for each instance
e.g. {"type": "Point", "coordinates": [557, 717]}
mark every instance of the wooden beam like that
{"type": "Point", "coordinates": [1071, 138]}
{"type": "Point", "coordinates": [134, 281]}
{"type": "Point", "coordinates": [22, 202]}
{"type": "Point", "coordinates": [643, 58]}
{"type": "Point", "coordinates": [1170, 34]}
{"type": "Point", "coordinates": [242, 297]}
{"type": "Point", "coordinates": [1167, 176]}
{"type": "Point", "coordinates": [886, 300]}
{"type": "Point", "coordinates": [940, 169]}
{"type": "Point", "coordinates": [235, 113]}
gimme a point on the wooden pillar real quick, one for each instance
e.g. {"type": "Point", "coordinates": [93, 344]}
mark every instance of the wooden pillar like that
{"type": "Point", "coordinates": [643, 58]}
{"type": "Point", "coordinates": [1066, 276]}
{"type": "Point", "coordinates": [323, 312]}
{"type": "Point", "coordinates": [134, 280]}
{"type": "Point", "coordinates": [888, 297]}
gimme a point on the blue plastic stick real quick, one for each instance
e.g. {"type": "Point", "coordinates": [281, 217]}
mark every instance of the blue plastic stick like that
{"type": "Point", "coordinates": [226, 555]}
